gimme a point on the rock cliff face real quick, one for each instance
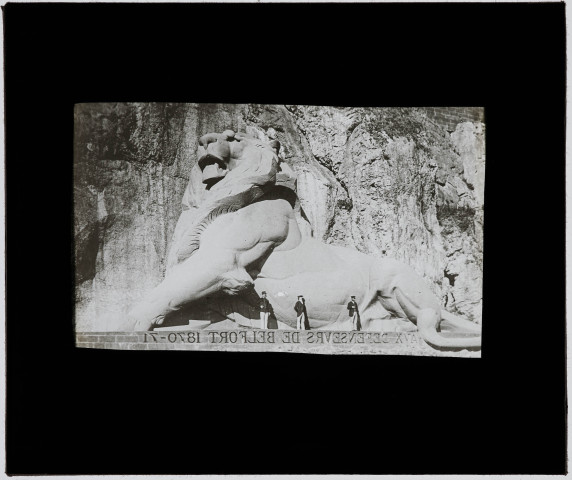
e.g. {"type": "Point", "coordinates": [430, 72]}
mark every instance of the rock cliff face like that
{"type": "Point", "coordinates": [387, 182]}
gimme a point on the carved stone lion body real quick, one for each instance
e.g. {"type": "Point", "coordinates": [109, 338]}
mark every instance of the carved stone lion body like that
{"type": "Point", "coordinates": [244, 238]}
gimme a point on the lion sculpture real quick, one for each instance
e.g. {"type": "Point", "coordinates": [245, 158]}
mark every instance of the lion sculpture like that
{"type": "Point", "coordinates": [245, 238]}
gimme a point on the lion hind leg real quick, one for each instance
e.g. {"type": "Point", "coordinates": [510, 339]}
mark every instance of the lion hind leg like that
{"type": "Point", "coordinates": [412, 294]}
{"type": "Point", "coordinates": [411, 307]}
{"type": "Point", "coordinates": [428, 320]}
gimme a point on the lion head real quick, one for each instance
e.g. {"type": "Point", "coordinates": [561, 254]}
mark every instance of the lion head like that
{"type": "Point", "coordinates": [237, 169]}
{"type": "Point", "coordinates": [243, 154]}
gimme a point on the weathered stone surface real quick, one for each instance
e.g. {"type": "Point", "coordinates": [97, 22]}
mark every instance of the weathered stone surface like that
{"type": "Point", "coordinates": [387, 182]}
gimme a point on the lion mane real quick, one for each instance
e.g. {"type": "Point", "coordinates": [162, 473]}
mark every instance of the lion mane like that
{"type": "Point", "coordinates": [250, 172]}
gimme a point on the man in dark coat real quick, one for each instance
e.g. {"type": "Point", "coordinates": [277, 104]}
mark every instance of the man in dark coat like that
{"type": "Point", "coordinates": [264, 306]}
{"type": "Point", "coordinates": [354, 313]}
{"type": "Point", "coordinates": [306, 321]}
{"type": "Point", "coordinates": [300, 308]}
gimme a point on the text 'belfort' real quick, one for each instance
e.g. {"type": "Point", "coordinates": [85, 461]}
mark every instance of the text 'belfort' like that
{"type": "Point", "coordinates": [281, 337]}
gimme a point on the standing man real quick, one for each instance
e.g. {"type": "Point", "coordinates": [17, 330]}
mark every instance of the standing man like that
{"type": "Point", "coordinates": [299, 307]}
{"type": "Point", "coordinates": [354, 313]}
{"type": "Point", "coordinates": [264, 311]}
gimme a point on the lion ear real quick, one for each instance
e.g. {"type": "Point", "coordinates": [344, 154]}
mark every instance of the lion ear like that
{"type": "Point", "coordinates": [275, 145]}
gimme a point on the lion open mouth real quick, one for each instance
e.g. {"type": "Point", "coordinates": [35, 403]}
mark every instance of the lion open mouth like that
{"type": "Point", "coordinates": [214, 169]}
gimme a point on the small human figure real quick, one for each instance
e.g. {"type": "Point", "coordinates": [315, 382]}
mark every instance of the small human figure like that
{"type": "Point", "coordinates": [306, 321]}
{"type": "Point", "coordinates": [265, 308]}
{"type": "Point", "coordinates": [300, 309]}
{"type": "Point", "coordinates": [354, 313]}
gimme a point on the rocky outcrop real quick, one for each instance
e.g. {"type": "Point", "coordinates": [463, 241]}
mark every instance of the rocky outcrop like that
{"type": "Point", "coordinates": [388, 182]}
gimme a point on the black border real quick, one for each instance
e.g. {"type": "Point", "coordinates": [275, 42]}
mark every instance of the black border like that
{"type": "Point", "coordinates": [108, 412]}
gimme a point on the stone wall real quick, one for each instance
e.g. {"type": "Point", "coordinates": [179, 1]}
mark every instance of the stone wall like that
{"type": "Point", "coordinates": [388, 182]}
